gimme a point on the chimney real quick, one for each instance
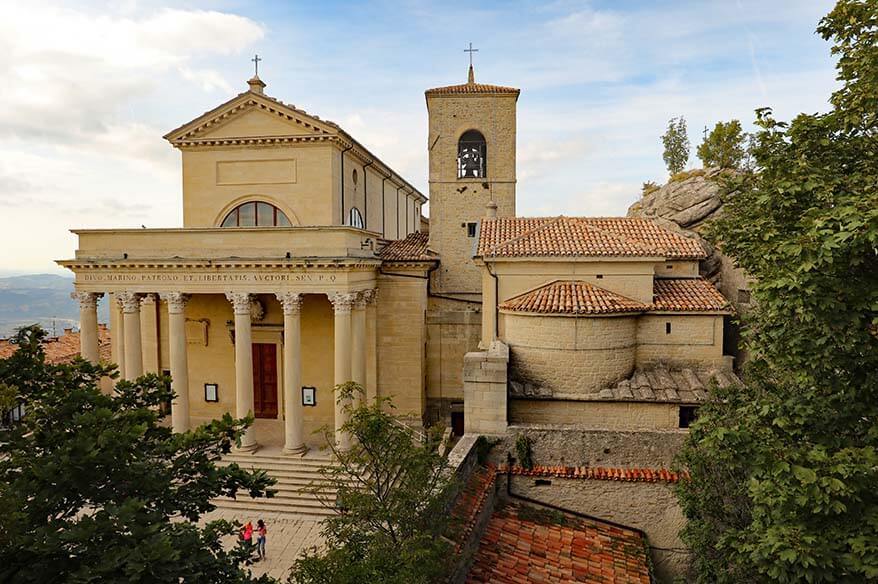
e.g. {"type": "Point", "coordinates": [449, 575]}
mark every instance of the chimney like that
{"type": "Point", "coordinates": [491, 209]}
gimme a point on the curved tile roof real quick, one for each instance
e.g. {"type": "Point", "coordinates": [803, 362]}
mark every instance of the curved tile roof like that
{"type": "Point", "coordinates": [562, 236]}
{"type": "Point", "coordinates": [411, 249]}
{"type": "Point", "coordinates": [687, 294]}
{"type": "Point", "coordinates": [572, 297]}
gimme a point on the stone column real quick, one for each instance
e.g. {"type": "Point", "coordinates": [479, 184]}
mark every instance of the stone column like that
{"type": "Point", "coordinates": [130, 303]}
{"type": "Point", "coordinates": [358, 342]}
{"type": "Point", "coordinates": [117, 333]}
{"type": "Point", "coordinates": [88, 325]}
{"type": "Point", "coordinates": [342, 303]}
{"type": "Point", "coordinates": [489, 310]}
{"type": "Point", "coordinates": [243, 364]}
{"type": "Point", "coordinates": [371, 297]}
{"type": "Point", "coordinates": [294, 418]}
{"type": "Point", "coordinates": [149, 331]}
{"type": "Point", "coordinates": [178, 353]}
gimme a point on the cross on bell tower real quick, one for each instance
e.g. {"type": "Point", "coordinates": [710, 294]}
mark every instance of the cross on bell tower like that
{"type": "Point", "coordinates": [472, 76]}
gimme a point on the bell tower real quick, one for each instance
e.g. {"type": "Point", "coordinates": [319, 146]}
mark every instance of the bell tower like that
{"type": "Point", "coordinates": [472, 164]}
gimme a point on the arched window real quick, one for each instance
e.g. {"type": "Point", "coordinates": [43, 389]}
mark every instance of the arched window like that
{"type": "Point", "coordinates": [256, 214]}
{"type": "Point", "coordinates": [355, 219]}
{"type": "Point", "coordinates": [472, 155]}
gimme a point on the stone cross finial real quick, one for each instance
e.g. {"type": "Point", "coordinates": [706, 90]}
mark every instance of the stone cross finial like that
{"type": "Point", "coordinates": [256, 60]}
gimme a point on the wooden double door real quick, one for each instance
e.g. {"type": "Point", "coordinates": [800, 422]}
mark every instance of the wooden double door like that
{"type": "Point", "coordinates": [265, 380]}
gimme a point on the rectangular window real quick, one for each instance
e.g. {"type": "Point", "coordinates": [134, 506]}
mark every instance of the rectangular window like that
{"type": "Point", "coordinates": [470, 229]}
{"type": "Point", "coordinates": [688, 414]}
{"type": "Point", "coordinates": [667, 328]}
{"type": "Point", "coordinates": [599, 276]}
{"type": "Point", "coordinates": [743, 296]}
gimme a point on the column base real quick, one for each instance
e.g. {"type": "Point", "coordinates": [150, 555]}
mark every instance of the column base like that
{"type": "Point", "coordinates": [246, 448]}
{"type": "Point", "coordinates": [297, 451]}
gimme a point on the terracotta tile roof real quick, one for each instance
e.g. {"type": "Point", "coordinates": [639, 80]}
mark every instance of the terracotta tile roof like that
{"type": "Point", "coordinates": [411, 249]}
{"type": "Point", "coordinates": [687, 294]}
{"type": "Point", "coordinates": [465, 88]}
{"type": "Point", "coordinates": [471, 500]}
{"type": "Point", "coordinates": [64, 348]}
{"type": "Point", "coordinates": [527, 544]}
{"type": "Point", "coordinates": [582, 237]}
{"type": "Point", "coordinates": [638, 475]}
{"type": "Point", "coordinates": [571, 297]}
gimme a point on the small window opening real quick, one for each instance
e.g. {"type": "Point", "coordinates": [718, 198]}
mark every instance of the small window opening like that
{"type": "Point", "coordinates": [354, 176]}
{"type": "Point", "coordinates": [669, 267]}
{"type": "Point", "coordinates": [542, 483]}
{"type": "Point", "coordinates": [470, 229]}
{"type": "Point", "coordinates": [600, 276]}
{"type": "Point", "coordinates": [355, 218]}
{"type": "Point", "coordinates": [743, 296]}
{"type": "Point", "coordinates": [472, 155]}
{"type": "Point", "coordinates": [688, 414]}
{"type": "Point", "coordinates": [667, 328]}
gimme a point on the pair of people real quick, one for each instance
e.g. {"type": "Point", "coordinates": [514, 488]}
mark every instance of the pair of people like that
{"type": "Point", "coordinates": [247, 532]}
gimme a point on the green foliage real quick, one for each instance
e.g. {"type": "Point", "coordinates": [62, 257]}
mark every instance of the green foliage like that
{"type": "Point", "coordinates": [676, 145]}
{"type": "Point", "coordinates": [483, 448]}
{"type": "Point", "coordinates": [394, 492]}
{"type": "Point", "coordinates": [649, 187]}
{"type": "Point", "coordinates": [784, 470]}
{"type": "Point", "coordinates": [94, 488]}
{"type": "Point", "coordinates": [686, 174]}
{"type": "Point", "coordinates": [724, 146]}
{"type": "Point", "coordinates": [524, 450]}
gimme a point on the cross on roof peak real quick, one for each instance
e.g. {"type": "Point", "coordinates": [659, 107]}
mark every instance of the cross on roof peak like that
{"type": "Point", "coordinates": [255, 61]}
{"type": "Point", "coordinates": [471, 50]}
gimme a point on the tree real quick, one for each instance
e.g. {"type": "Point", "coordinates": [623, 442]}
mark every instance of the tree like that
{"type": "Point", "coordinates": [724, 146]}
{"type": "Point", "coordinates": [783, 470]}
{"type": "Point", "coordinates": [393, 494]}
{"type": "Point", "coordinates": [93, 488]}
{"type": "Point", "coordinates": [676, 143]}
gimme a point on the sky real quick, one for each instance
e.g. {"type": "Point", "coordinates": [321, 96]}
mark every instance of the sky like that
{"type": "Point", "coordinates": [89, 88]}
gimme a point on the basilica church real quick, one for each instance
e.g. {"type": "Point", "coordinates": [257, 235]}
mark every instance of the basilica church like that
{"type": "Point", "coordinates": [304, 261]}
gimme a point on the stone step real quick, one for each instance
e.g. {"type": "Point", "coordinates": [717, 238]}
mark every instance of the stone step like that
{"type": "Point", "coordinates": [256, 460]}
{"type": "Point", "coordinates": [254, 506]}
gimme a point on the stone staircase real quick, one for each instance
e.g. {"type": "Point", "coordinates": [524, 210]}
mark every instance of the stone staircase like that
{"type": "Point", "coordinates": [294, 476]}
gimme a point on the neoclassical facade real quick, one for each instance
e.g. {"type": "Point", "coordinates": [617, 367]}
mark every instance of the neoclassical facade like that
{"type": "Point", "coordinates": [304, 262]}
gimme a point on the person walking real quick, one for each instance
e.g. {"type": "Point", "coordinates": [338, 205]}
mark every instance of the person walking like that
{"type": "Point", "coordinates": [246, 535]}
{"type": "Point", "coordinates": [261, 533]}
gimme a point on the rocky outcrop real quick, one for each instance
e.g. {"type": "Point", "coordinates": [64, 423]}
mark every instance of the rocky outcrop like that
{"type": "Point", "coordinates": [687, 204]}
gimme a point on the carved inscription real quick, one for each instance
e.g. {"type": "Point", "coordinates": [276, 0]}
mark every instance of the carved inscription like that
{"type": "Point", "coordinates": [206, 278]}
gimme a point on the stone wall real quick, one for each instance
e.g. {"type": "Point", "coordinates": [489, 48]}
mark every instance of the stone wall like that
{"type": "Point", "coordinates": [485, 390]}
{"type": "Point", "coordinates": [649, 506]}
{"type": "Point", "coordinates": [453, 330]}
{"type": "Point", "coordinates": [557, 445]}
{"type": "Point", "coordinates": [609, 415]}
{"type": "Point", "coordinates": [568, 354]}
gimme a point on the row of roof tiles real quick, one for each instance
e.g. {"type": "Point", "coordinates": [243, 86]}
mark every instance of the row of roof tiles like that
{"type": "Point", "coordinates": [63, 348]}
{"type": "Point", "coordinates": [504, 237]}
{"type": "Point", "coordinates": [640, 475]}
{"type": "Point", "coordinates": [575, 297]}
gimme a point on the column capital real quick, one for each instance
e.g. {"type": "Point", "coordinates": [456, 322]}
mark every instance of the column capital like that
{"type": "Point", "coordinates": [176, 301]}
{"type": "Point", "coordinates": [147, 299]}
{"type": "Point", "coordinates": [128, 301]}
{"type": "Point", "coordinates": [342, 302]}
{"type": "Point", "coordinates": [87, 300]}
{"type": "Point", "coordinates": [291, 302]}
{"type": "Point", "coordinates": [240, 301]}
{"type": "Point", "coordinates": [370, 296]}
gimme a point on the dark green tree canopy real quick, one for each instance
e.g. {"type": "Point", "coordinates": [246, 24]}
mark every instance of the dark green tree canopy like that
{"type": "Point", "coordinates": [94, 488]}
{"type": "Point", "coordinates": [724, 146]}
{"type": "Point", "coordinates": [393, 492]}
{"type": "Point", "coordinates": [784, 469]}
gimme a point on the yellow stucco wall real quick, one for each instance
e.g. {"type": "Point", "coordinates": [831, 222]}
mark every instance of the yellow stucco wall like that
{"type": "Point", "coordinates": [632, 279]}
{"type": "Point", "coordinates": [694, 339]}
{"type": "Point", "coordinates": [402, 305]}
{"type": "Point", "coordinates": [570, 355]}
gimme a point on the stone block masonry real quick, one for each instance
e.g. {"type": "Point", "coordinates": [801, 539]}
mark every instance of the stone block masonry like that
{"type": "Point", "coordinates": [484, 390]}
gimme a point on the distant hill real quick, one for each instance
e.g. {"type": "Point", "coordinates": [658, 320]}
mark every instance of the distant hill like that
{"type": "Point", "coordinates": [43, 299]}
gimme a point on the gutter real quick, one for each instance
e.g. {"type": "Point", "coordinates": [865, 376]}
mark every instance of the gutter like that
{"type": "Point", "coordinates": [366, 194]}
{"type": "Point", "coordinates": [342, 182]}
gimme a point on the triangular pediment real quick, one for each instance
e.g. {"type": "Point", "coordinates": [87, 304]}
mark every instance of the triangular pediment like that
{"type": "Point", "coordinates": [251, 115]}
